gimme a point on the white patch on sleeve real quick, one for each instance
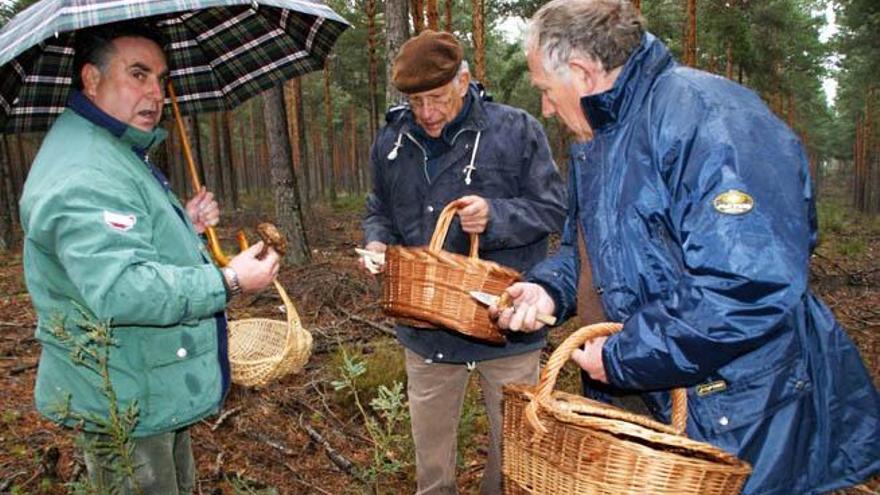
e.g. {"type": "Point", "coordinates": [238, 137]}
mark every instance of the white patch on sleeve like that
{"type": "Point", "coordinates": [118, 221]}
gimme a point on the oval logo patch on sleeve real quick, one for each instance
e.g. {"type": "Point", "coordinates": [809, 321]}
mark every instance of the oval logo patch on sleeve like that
{"type": "Point", "coordinates": [733, 202]}
{"type": "Point", "coordinates": [118, 221]}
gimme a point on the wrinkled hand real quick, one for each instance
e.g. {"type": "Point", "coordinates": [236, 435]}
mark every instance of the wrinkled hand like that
{"type": "Point", "coordinates": [203, 210]}
{"type": "Point", "coordinates": [590, 359]}
{"type": "Point", "coordinates": [368, 264]}
{"type": "Point", "coordinates": [255, 274]}
{"type": "Point", "coordinates": [474, 214]}
{"type": "Point", "coordinates": [527, 301]}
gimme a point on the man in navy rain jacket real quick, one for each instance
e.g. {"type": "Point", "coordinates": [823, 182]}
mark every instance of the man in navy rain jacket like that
{"type": "Point", "coordinates": [451, 144]}
{"type": "Point", "coordinates": [698, 219]}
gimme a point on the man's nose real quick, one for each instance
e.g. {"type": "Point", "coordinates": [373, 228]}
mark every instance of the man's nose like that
{"type": "Point", "coordinates": [156, 89]}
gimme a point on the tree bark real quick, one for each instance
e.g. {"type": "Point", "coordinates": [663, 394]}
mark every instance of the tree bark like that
{"type": "Point", "coordinates": [449, 16]}
{"type": "Point", "coordinates": [328, 120]}
{"type": "Point", "coordinates": [729, 69]}
{"type": "Point", "coordinates": [690, 41]}
{"type": "Point", "coordinates": [418, 15]}
{"type": "Point", "coordinates": [7, 224]}
{"type": "Point", "coordinates": [396, 33]}
{"type": "Point", "coordinates": [373, 75]}
{"type": "Point", "coordinates": [219, 154]}
{"type": "Point", "coordinates": [232, 175]}
{"type": "Point", "coordinates": [433, 14]}
{"type": "Point", "coordinates": [479, 42]}
{"type": "Point", "coordinates": [288, 210]}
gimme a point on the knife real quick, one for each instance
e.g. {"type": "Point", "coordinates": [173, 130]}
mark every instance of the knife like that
{"type": "Point", "coordinates": [489, 300]}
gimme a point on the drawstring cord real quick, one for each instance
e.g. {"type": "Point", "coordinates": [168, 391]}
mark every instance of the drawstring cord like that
{"type": "Point", "coordinates": [470, 168]}
{"type": "Point", "coordinates": [392, 155]}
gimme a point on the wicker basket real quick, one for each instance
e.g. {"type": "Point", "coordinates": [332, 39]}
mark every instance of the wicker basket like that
{"type": "Point", "coordinates": [562, 444]}
{"type": "Point", "coordinates": [263, 350]}
{"type": "Point", "coordinates": [433, 286]}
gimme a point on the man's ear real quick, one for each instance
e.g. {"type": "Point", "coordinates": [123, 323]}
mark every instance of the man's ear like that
{"type": "Point", "coordinates": [464, 82]}
{"type": "Point", "coordinates": [91, 77]}
{"type": "Point", "coordinates": [586, 74]}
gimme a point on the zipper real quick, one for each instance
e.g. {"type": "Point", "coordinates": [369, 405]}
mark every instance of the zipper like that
{"type": "Point", "coordinates": [424, 155]}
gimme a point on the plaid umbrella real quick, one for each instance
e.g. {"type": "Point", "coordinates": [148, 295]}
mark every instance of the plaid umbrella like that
{"type": "Point", "coordinates": [220, 52]}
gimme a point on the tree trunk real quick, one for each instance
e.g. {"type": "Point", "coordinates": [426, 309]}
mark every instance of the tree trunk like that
{"type": "Point", "coordinates": [396, 32]}
{"type": "Point", "coordinates": [328, 120]}
{"type": "Point", "coordinates": [637, 4]}
{"type": "Point", "coordinates": [8, 184]}
{"type": "Point", "coordinates": [418, 15]}
{"type": "Point", "coordinates": [449, 16]}
{"type": "Point", "coordinates": [302, 141]}
{"type": "Point", "coordinates": [729, 70]}
{"type": "Point", "coordinates": [7, 223]}
{"type": "Point", "coordinates": [373, 75]}
{"type": "Point", "coordinates": [479, 42]}
{"type": "Point", "coordinates": [433, 14]}
{"type": "Point", "coordinates": [288, 211]}
{"type": "Point", "coordinates": [232, 175]}
{"type": "Point", "coordinates": [219, 153]}
{"type": "Point", "coordinates": [690, 35]}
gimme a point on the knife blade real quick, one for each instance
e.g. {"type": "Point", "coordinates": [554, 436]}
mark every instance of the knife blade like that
{"type": "Point", "coordinates": [490, 300]}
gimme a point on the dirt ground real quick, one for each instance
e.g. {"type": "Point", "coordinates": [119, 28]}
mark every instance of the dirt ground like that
{"type": "Point", "coordinates": [278, 440]}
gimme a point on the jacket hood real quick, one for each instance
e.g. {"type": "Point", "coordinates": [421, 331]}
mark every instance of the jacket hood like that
{"type": "Point", "coordinates": [632, 85]}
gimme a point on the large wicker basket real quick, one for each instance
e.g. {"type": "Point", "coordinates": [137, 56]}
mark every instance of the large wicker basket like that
{"type": "Point", "coordinates": [429, 287]}
{"type": "Point", "coordinates": [562, 444]}
{"type": "Point", "coordinates": [263, 350]}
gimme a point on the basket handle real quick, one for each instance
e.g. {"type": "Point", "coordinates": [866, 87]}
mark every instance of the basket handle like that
{"type": "Point", "coordinates": [442, 228]}
{"type": "Point", "coordinates": [293, 320]}
{"type": "Point", "coordinates": [562, 354]}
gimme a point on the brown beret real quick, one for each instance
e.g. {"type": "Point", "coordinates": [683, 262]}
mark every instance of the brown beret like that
{"type": "Point", "coordinates": [426, 61]}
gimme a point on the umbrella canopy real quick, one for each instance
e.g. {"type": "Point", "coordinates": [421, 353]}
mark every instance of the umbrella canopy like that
{"type": "Point", "coordinates": [220, 52]}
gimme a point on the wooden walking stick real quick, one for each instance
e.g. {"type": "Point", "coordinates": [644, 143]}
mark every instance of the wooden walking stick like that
{"type": "Point", "coordinates": [213, 241]}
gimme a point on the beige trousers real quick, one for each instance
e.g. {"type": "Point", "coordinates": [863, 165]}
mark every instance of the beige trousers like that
{"type": "Point", "coordinates": [436, 393]}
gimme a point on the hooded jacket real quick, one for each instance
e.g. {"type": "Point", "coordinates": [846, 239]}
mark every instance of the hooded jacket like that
{"type": "Point", "coordinates": [699, 220]}
{"type": "Point", "coordinates": [494, 151]}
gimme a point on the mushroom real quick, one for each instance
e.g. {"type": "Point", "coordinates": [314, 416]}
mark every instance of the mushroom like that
{"type": "Point", "coordinates": [271, 238]}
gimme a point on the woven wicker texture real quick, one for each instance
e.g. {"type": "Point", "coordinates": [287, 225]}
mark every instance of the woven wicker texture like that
{"type": "Point", "coordinates": [562, 444]}
{"type": "Point", "coordinates": [263, 350]}
{"type": "Point", "coordinates": [433, 285]}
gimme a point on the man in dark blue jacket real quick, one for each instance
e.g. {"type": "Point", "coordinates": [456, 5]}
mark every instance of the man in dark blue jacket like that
{"type": "Point", "coordinates": [450, 144]}
{"type": "Point", "coordinates": [696, 220]}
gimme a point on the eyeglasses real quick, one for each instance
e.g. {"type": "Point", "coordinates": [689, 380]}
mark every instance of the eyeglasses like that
{"type": "Point", "coordinates": [429, 101]}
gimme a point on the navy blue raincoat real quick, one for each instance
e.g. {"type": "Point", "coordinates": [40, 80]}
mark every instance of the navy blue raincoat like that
{"type": "Point", "coordinates": [512, 169]}
{"type": "Point", "coordinates": [712, 287]}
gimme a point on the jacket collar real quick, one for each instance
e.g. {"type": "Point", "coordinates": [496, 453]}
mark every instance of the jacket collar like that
{"type": "Point", "coordinates": [633, 83]}
{"type": "Point", "coordinates": [140, 141]}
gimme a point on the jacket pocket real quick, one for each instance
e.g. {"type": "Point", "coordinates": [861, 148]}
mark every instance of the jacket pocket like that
{"type": "Point", "coordinates": [182, 374]}
{"type": "Point", "coordinates": [750, 399]}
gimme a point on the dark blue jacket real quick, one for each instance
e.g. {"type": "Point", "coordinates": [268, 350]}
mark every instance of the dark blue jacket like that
{"type": "Point", "coordinates": [514, 171]}
{"type": "Point", "coordinates": [708, 297]}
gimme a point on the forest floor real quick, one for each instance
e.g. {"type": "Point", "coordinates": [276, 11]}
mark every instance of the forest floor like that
{"type": "Point", "coordinates": [301, 435]}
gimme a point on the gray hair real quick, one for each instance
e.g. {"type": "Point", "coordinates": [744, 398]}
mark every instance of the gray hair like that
{"type": "Point", "coordinates": [607, 31]}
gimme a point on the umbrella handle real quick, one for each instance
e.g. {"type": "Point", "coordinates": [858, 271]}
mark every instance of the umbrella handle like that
{"type": "Point", "coordinates": [220, 258]}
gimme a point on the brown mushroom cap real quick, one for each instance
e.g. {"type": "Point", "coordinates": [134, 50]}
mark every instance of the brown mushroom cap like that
{"type": "Point", "coordinates": [271, 238]}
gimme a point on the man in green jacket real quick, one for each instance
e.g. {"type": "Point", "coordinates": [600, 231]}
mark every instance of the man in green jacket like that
{"type": "Point", "coordinates": [105, 235]}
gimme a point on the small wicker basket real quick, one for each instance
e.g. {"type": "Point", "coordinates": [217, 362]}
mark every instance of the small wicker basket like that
{"type": "Point", "coordinates": [429, 287]}
{"type": "Point", "coordinates": [562, 444]}
{"type": "Point", "coordinates": [263, 350]}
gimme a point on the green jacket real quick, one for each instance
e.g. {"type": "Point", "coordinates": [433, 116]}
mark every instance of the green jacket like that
{"type": "Point", "coordinates": [102, 232]}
